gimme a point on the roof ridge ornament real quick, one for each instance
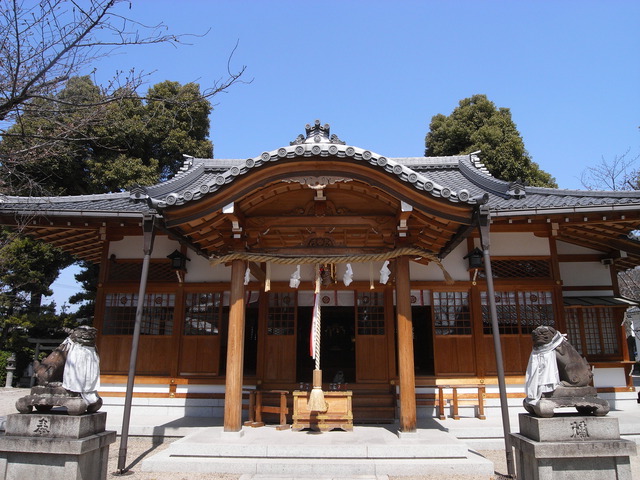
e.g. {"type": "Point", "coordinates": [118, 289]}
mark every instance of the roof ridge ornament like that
{"type": "Point", "coordinates": [517, 189]}
{"type": "Point", "coordinates": [317, 133]}
{"type": "Point", "coordinates": [138, 193]}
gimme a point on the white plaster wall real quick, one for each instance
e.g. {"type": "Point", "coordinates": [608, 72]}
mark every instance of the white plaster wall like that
{"type": "Point", "coordinates": [454, 263]}
{"type": "Point", "coordinates": [565, 248]}
{"type": "Point", "coordinates": [584, 273]}
{"type": "Point", "coordinates": [517, 244]}
{"type": "Point", "coordinates": [282, 273]}
{"type": "Point", "coordinates": [131, 247]}
{"type": "Point", "coordinates": [609, 377]}
{"type": "Point", "coordinates": [200, 270]}
{"type": "Point", "coordinates": [198, 267]}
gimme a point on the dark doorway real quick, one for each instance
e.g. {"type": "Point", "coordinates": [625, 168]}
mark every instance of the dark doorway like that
{"type": "Point", "coordinates": [250, 338]}
{"type": "Point", "coordinates": [422, 340]}
{"type": "Point", "coordinates": [337, 349]}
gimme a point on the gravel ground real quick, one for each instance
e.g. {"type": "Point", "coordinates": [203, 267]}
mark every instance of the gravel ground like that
{"type": "Point", "coordinates": [141, 447]}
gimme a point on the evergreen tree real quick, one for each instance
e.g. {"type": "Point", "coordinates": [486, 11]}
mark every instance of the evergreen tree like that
{"type": "Point", "coordinates": [28, 268]}
{"type": "Point", "coordinates": [476, 124]}
{"type": "Point", "coordinates": [110, 146]}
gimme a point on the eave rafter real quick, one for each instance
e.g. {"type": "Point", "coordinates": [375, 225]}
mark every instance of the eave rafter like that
{"type": "Point", "coordinates": [597, 239]}
{"type": "Point", "coordinates": [83, 243]}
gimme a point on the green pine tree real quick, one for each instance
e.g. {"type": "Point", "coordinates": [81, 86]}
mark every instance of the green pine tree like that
{"type": "Point", "coordinates": [477, 124]}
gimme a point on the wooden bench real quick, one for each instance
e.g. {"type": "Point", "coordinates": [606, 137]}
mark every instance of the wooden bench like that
{"type": "Point", "coordinates": [257, 407]}
{"type": "Point", "coordinates": [477, 400]}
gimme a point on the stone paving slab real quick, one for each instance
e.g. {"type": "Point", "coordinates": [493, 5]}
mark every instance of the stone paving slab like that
{"type": "Point", "coordinates": [298, 477]}
{"type": "Point", "coordinates": [283, 467]}
{"type": "Point", "coordinates": [365, 451]}
{"type": "Point", "coordinates": [363, 442]}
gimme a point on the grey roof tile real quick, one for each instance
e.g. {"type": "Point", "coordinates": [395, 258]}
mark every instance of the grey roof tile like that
{"type": "Point", "coordinates": [457, 178]}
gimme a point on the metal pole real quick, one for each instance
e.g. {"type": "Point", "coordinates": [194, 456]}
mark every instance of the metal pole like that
{"type": "Point", "coordinates": [504, 406]}
{"type": "Point", "coordinates": [124, 436]}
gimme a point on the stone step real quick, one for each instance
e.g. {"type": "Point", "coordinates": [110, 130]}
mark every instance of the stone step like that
{"type": "Point", "coordinates": [444, 450]}
{"type": "Point", "coordinates": [365, 451]}
{"type": "Point", "coordinates": [331, 467]}
{"type": "Point", "coordinates": [260, 476]}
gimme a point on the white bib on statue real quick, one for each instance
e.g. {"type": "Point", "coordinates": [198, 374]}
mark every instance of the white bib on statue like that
{"type": "Point", "coordinates": [542, 370]}
{"type": "Point", "coordinates": [82, 371]}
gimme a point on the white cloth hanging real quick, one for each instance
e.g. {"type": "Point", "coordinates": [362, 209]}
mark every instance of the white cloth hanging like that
{"type": "Point", "coordinates": [267, 280]}
{"type": "Point", "coordinates": [247, 276]}
{"type": "Point", "coordinates": [82, 371]}
{"type": "Point", "coordinates": [542, 370]}
{"type": "Point", "coordinates": [385, 272]}
{"type": "Point", "coordinates": [294, 281]}
{"type": "Point", "coordinates": [347, 278]}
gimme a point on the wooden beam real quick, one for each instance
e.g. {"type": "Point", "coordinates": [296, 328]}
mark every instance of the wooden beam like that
{"type": "Point", "coordinates": [463, 232]}
{"type": "Point", "coordinates": [257, 272]}
{"type": "Point", "coordinates": [236, 217]}
{"type": "Point", "coordinates": [297, 221]}
{"type": "Point", "coordinates": [597, 240]}
{"type": "Point", "coordinates": [403, 218]}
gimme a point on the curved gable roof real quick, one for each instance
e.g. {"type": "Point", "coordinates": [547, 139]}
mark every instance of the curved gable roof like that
{"type": "Point", "coordinates": [454, 184]}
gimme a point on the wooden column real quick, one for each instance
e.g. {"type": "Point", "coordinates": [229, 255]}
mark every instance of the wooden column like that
{"type": "Point", "coordinates": [406, 369]}
{"type": "Point", "coordinates": [235, 350]}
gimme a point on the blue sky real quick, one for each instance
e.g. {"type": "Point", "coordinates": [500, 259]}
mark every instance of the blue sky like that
{"type": "Point", "coordinates": [378, 71]}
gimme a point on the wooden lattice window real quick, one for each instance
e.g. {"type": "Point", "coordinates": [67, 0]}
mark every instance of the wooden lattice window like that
{"type": "Point", "coordinates": [203, 312]}
{"type": "Point", "coordinates": [126, 271]}
{"type": "Point", "coordinates": [281, 319]}
{"type": "Point", "coordinates": [370, 313]}
{"type": "Point", "coordinates": [520, 268]}
{"type": "Point", "coordinates": [451, 315]}
{"type": "Point", "coordinates": [120, 314]}
{"type": "Point", "coordinates": [593, 330]}
{"type": "Point", "coordinates": [519, 312]}
{"type": "Point", "coordinates": [572, 321]}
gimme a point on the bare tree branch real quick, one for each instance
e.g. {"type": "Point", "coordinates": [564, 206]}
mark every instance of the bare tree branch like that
{"type": "Point", "coordinates": [43, 45]}
{"type": "Point", "coordinates": [618, 173]}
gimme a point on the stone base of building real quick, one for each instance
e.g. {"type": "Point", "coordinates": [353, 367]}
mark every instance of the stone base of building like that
{"type": "Point", "coordinates": [570, 446]}
{"type": "Point", "coordinates": [55, 446]}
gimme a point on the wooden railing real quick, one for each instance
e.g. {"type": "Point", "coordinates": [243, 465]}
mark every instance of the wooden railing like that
{"type": "Point", "coordinates": [455, 399]}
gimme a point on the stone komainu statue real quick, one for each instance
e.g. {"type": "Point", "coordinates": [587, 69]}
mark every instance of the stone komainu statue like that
{"type": "Point", "coordinates": [558, 376]}
{"type": "Point", "coordinates": [69, 376]}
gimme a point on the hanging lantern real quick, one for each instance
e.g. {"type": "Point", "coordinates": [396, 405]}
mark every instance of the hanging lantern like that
{"type": "Point", "coordinates": [475, 259]}
{"type": "Point", "coordinates": [178, 260]}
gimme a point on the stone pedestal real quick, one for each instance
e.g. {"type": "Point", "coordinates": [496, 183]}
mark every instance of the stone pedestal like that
{"type": "Point", "coordinates": [568, 446]}
{"type": "Point", "coordinates": [584, 399]}
{"type": "Point", "coordinates": [55, 447]}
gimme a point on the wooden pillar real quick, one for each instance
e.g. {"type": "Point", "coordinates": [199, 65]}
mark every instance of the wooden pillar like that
{"type": "Point", "coordinates": [406, 369]}
{"type": "Point", "coordinates": [235, 350]}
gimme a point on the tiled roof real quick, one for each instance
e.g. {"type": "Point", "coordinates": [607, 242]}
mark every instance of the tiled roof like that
{"type": "Point", "coordinates": [458, 179]}
{"type": "Point", "coordinates": [107, 204]}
